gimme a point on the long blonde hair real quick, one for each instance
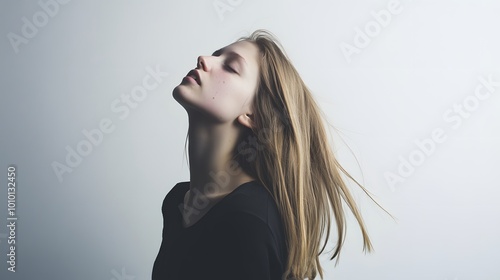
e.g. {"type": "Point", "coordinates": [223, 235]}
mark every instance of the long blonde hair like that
{"type": "Point", "coordinates": [294, 161]}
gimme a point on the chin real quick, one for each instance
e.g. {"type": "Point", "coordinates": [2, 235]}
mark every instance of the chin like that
{"type": "Point", "coordinates": [176, 92]}
{"type": "Point", "coordinates": [178, 95]}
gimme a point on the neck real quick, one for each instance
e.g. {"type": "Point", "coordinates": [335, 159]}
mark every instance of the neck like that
{"type": "Point", "coordinates": [213, 173]}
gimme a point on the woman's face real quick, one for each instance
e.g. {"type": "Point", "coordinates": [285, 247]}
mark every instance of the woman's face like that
{"type": "Point", "coordinates": [225, 85]}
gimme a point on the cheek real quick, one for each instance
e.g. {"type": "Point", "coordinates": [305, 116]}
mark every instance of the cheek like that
{"type": "Point", "coordinates": [221, 89]}
{"type": "Point", "coordinates": [217, 98]}
{"type": "Point", "coordinates": [225, 100]}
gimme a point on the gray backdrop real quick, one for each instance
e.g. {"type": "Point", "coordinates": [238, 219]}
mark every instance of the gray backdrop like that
{"type": "Point", "coordinates": [87, 118]}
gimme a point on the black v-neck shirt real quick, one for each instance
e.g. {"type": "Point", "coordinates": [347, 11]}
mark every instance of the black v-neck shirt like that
{"type": "Point", "coordinates": [240, 238]}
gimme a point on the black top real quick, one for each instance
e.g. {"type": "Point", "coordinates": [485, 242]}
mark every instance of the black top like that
{"type": "Point", "coordinates": [240, 237]}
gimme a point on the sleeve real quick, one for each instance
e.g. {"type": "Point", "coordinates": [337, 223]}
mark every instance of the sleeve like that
{"type": "Point", "coordinates": [240, 247]}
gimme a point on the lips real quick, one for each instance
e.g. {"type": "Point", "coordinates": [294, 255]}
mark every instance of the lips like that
{"type": "Point", "coordinates": [195, 75]}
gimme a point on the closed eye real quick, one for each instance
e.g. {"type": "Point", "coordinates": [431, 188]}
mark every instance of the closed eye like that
{"type": "Point", "coordinates": [230, 69]}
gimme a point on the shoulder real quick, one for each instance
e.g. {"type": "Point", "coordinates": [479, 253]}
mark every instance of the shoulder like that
{"type": "Point", "coordinates": [175, 195]}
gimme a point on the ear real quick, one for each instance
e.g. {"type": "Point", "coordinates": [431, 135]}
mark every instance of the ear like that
{"type": "Point", "coordinates": [247, 120]}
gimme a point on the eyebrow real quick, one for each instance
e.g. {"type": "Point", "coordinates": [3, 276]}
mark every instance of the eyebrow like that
{"type": "Point", "coordinates": [230, 53]}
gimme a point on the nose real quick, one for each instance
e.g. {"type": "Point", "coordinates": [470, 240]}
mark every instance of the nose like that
{"type": "Point", "coordinates": [202, 63]}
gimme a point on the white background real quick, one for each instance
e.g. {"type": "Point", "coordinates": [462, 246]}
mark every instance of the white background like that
{"type": "Point", "coordinates": [103, 220]}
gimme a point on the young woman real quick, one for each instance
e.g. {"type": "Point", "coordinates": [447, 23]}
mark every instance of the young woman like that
{"type": "Point", "coordinates": [262, 174]}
